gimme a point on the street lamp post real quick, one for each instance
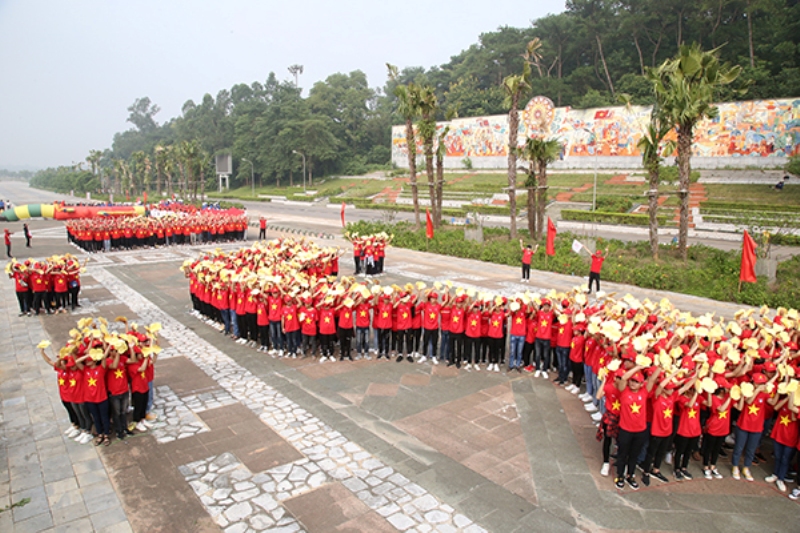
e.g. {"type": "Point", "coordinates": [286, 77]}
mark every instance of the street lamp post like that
{"type": "Point", "coordinates": [304, 167]}
{"type": "Point", "coordinates": [252, 179]}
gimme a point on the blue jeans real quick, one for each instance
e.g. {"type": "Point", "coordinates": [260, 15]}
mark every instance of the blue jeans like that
{"type": "Point", "coordinates": [226, 320]}
{"type": "Point", "coordinates": [542, 349]}
{"type": "Point", "coordinates": [444, 354]}
{"type": "Point", "coordinates": [276, 335]}
{"type": "Point", "coordinates": [783, 455]}
{"type": "Point", "coordinates": [516, 343]}
{"type": "Point", "coordinates": [746, 441]}
{"type": "Point", "coordinates": [562, 354]}
{"type": "Point", "coordinates": [362, 341]}
{"type": "Point", "coordinates": [292, 341]}
{"type": "Point", "coordinates": [591, 382]}
{"type": "Point", "coordinates": [99, 412]}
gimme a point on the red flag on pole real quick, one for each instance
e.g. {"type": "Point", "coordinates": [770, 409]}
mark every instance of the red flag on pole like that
{"type": "Point", "coordinates": [428, 224]}
{"type": "Point", "coordinates": [551, 238]}
{"type": "Point", "coordinates": [747, 272]}
{"type": "Point", "coordinates": [144, 195]}
{"type": "Point", "coordinates": [342, 214]}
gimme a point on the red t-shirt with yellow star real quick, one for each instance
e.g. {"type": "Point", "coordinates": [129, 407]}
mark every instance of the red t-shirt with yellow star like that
{"type": "Point", "coordinates": [327, 322]}
{"type": "Point", "coordinates": [64, 389]}
{"type": "Point", "coordinates": [496, 321]}
{"type": "Point", "coordinates": [689, 422]}
{"type": "Point", "coordinates": [290, 321]}
{"type": "Point", "coordinates": [785, 430]}
{"type": "Point", "coordinates": [633, 410]}
{"type": "Point", "coordinates": [663, 408]}
{"type": "Point", "coordinates": [474, 324]}
{"type": "Point", "coordinates": [362, 315]}
{"type": "Point", "coordinates": [403, 316]}
{"type": "Point", "coordinates": [308, 316]}
{"type": "Point", "coordinates": [138, 377]}
{"type": "Point", "coordinates": [611, 395]}
{"type": "Point", "coordinates": [117, 378]}
{"type": "Point", "coordinates": [752, 417]}
{"type": "Point", "coordinates": [430, 318]}
{"type": "Point", "coordinates": [719, 421]}
{"type": "Point", "coordinates": [544, 324]}
{"type": "Point", "coordinates": [94, 384]}
{"type": "Point", "coordinates": [518, 323]}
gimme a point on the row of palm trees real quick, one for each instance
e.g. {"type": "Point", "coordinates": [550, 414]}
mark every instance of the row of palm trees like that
{"type": "Point", "coordinates": [684, 87]}
{"type": "Point", "coordinates": [179, 169]}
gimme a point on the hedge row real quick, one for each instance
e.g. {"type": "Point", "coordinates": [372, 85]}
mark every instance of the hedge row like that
{"type": "Point", "coordinates": [625, 219]}
{"type": "Point", "coordinates": [710, 206]}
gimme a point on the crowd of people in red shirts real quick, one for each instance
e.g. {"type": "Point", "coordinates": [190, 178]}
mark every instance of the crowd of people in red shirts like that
{"type": "Point", "coordinates": [369, 252]}
{"type": "Point", "coordinates": [51, 285]}
{"type": "Point", "coordinates": [171, 227]}
{"type": "Point", "coordinates": [659, 383]}
{"type": "Point", "coordinates": [100, 373]}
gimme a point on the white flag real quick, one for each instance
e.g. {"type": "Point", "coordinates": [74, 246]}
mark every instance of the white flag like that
{"type": "Point", "coordinates": [576, 246]}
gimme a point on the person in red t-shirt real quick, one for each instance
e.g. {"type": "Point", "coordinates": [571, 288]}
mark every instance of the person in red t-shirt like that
{"type": "Point", "coordinates": [345, 329]}
{"type": "Point", "coordinates": [497, 321]}
{"type": "Point", "coordinates": [576, 352]}
{"type": "Point", "coordinates": [563, 339]}
{"type": "Point", "coordinates": [472, 334]}
{"type": "Point", "coordinates": [688, 432]}
{"type": "Point", "coordinates": [594, 271]}
{"type": "Point", "coordinates": [517, 332]}
{"type": "Point", "coordinates": [80, 426]}
{"type": "Point", "coordinates": [291, 326]}
{"type": "Point", "coordinates": [609, 423]}
{"type": "Point", "coordinates": [95, 394]}
{"type": "Point", "coordinates": [634, 393]}
{"type": "Point", "coordinates": [458, 320]}
{"type": "Point", "coordinates": [382, 322]}
{"type": "Point", "coordinates": [117, 384]}
{"type": "Point", "coordinates": [140, 388]}
{"type": "Point", "coordinates": [403, 323]}
{"type": "Point", "coordinates": [784, 437]}
{"type": "Point", "coordinates": [717, 427]}
{"type": "Point", "coordinates": [308, 328]}
{"type": "Point", "coordinates": [262, 228]}
{"type": "Point", "coordinates": [430, 312]}
{"type": "Point", "coordinates": [662, 408]}
{"type": "Point", "coordinates": [327, 328]}
{"type": "Point", "coordinates": [362, 313]}
{"type": "Point", "coordinates": [527, 256]}
{"type": "Point", "coordinates": [749, 427]}
{"type": "Point", "coordinates": [544, 331]}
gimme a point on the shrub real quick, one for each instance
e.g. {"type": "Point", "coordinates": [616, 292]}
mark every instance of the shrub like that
{"type": "Point", "coordinates": [625, 219]}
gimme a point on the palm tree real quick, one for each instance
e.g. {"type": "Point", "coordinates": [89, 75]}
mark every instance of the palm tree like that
{"type": "Point", "coordinates": [650, 145]}
{"type": "Point", "coordinates": [407, 105]}
{"type": "Point", "coordinates": [137, 170]}
{"type": "Point", "coordinates": [427, 105]}
{"type": "Point", "coordinates": [190, 155]}
{"type": "Point", "coordinates": [686, 87]}
{"type": "Point", "coordinates": [441, 149]}
{"type": "Point", "coordinates": [160, 155]}
{"type": "Point", "coordinates": [93, 159]}
{"type": "Point", "coordinates": [541, 153]}
{"type": "Point", "coordinates": [514, 85]}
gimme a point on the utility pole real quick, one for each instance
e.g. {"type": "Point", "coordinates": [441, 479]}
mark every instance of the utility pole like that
{"type": "Point", "coordinates": [296, 70]}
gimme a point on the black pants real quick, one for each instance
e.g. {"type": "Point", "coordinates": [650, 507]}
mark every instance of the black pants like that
{"type": "Point", "coordinates": [383, 341]}
{"type": "Point", "coordinates": [471, 350]}
{"type": "Point", "coordinates": [683, 450]}
{"type": "Point", "coordinates": [495, 349]}
{"type": "Point", "coordinates": [457, 346]}
{"type": "Point", "coordinates": [711, 447]}
{"type": "Point", "coordinates": [630, 444]}
{"type": "Point", "coordinates": [327, 340]}
{"type": "Point", "coordinates": [594, 276]}
{"type": "Point", "coordinates": [309, 344]}
{"type": "Point", "coordinates": [345, 338]}
{"type": "Point", "coordinates": [263, 333]}
{"type": "Point", "coordinates": [430, 337]}
{"type": "Point", "coordinates": [262, 233]}
{"type": "Point", "coordinates": [139, 405]}
{"type": "Point", "coordinates": [22, 299]}
{"type": "Point", "coordinates": [577, 373]}
{"type": "Point", "coordinates": [526, 271]}
{"type": "Point", "coordinates": [656, 450]}
{"type": "Point", "coordinates": [119, 412]}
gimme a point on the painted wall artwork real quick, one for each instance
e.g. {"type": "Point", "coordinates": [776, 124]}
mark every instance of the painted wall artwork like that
{"type": "Point", "coordinates": [751, 129]}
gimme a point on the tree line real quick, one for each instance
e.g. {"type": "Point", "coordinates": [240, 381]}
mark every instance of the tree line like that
{"type": "Point", "coordinates": [586, 56]}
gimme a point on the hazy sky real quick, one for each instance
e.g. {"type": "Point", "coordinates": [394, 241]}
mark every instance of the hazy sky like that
{"type": "Point", "coordinates": [70, 69]}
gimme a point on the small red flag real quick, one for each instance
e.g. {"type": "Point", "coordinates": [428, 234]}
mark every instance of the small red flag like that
{"type": "Point", "coordinates": [342, 214]}
{"type": "Point", "coordinates": [145, 196]}
{"type": "Point", "coordinates": [551, 238]}
{"type": "Point", "coordinates": [428, 224]}
{"type": "Point", "coordinates": [747, 272]}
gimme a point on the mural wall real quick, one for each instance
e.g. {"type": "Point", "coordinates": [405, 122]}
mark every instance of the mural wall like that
{"type": "Point", "coordinates": [752, 133]}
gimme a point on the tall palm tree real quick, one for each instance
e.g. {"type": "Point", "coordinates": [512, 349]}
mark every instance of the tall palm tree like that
{"type": "Point", "coordinates": [514, 85]}
{"type": "Point", "coordinates": [427, 104]}
{"type": "Point", "coordinates": [407, 105]}
{"type": "Point", "coordinates": [93, 159]}
{"type": "Point", "coordinates": [137, 170]}
{"type": "Point", "coordinates": [190, 154]}
{"type": "Point", "coordinates": [160, 155]}
{"type": "Point", "coordinates": [651, 147]}
{"type": "Point", "coordinates": [686, 87]}
{"type": "Point", "coordinates": [541, 152]}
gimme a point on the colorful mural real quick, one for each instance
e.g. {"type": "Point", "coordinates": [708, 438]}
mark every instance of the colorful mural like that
{"type": "Point", "coordinates": [759, 128]}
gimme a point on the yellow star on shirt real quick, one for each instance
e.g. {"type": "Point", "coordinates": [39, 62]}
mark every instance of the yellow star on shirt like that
{"type": "Point", "coordinates": [544, 323]}
{"type": "Point", "coordinates": [432, 316]}
{"type": "Point", "coordinates": [141, 374]}
{"type": "Point", "coordinates": [692, 413]}
{"type": "Point", "coordinates": [119, 373]}
{"type": "Point", "coordinates": [455, 319]}
{"type": "Point", "coordinates": [327, 320]}
{"type": "Point", "coordinates": [635, 408]}
{"type": "Point", "coordinates": [495, 323]}
{"type": "Point", "coordinates": [752, 410]}
{"type": "Point", "coordinates": [363, 313]}
{"type": "Point", "coordinates": [405, 315]}
{"type": "Point", "coordinates": [92, 382]}
{"type": "Point", "coordinates": [274, 306]}
{"type": "Point", "coordinates": [72, 383]}
{"type": "Point", "coordinates": [473, 323]}
{"type": "Point", "coordinates": [602, 361]}
{"type": "Point", "coordinates": [615, 406]}
{"type": "Point", "coordinates": [560, 331]}
{"type": "Point", "coordinates": [785, 420]}
{"type": "Point", "coordinates": [519, 320]}
{"type": "Point", "coordinates": [288, 317]}
{"type": "Point", "coordinates": [385, 314]}
{"type": "Point", "coordinates": [61, 382]}
{"type": "Point", "coordinates": [667, 413]}
{"type": "Point", "coordinates": [723, 414]}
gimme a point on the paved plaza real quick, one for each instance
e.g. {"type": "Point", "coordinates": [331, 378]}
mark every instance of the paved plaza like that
{"type": "Point", "coordinates": [248, 442]}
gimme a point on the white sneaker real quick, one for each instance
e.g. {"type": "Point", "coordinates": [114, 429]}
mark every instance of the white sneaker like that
{"type": "Point", "coordinates": [771, 479]}
{"type": "Point", "coordinates": [141, 427]}
{"type": "Point", "coordinates": [468, 366]}
{"type": "Point", "coordinates": [435, 361]}
{"type": "Point", "coordinates": [272, 351]}
{"type": "Point", "coordinates": [597, 417]}
{"type": "Point", "coordinates": [72, 432]}
{"type": "Point", "coordinates": [422, 359]}
{"type": "Point", "coordinates": [478, 368]}
{"type": "Point", "coordinates": [545, 375]}
{"type": "Point", "coordinates": [585, 397]}
{"type": "Point", "coordinates": [574, 390]}
{"type": "Point", "coordinates": [605, 469]}
{"type": "Point", "coordinates": [280, 353]}
{"type": "Point", "coordinates": [537, 373]}
{"type": "Point", "coordinates": [86, 438]}
{"type": "Point", "coordinates": [496, 367]}
{"type": "Point", "coordinates": [148, 424]}
{"type": "Point", "coordinates": [781, 485]}
{"type": "Point", "coordinates": [590, 407]}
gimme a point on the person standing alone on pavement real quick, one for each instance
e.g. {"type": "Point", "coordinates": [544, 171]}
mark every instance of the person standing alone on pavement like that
{"type": "Point", "coordinates": [7, 238]}
{"type": "Point", "coordinates": [27, 233]}
{"type": "Point", "coordinates": [597, 264]}
{"type": "Point", "coordinates": [262, 228]}
{"type": "Point", "coordinates": [527, 255]}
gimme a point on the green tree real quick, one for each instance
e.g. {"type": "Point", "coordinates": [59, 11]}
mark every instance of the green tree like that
{"type": "Point", "coordinates": [540, 153]}
{"type": "Point", "coordinates": [686, 87]}
{"type": "Point", "coordinates": [408, 107]}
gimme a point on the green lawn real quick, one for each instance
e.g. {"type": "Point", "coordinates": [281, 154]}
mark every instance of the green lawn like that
{"type": "Point", "coordinates": [754, 194]}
